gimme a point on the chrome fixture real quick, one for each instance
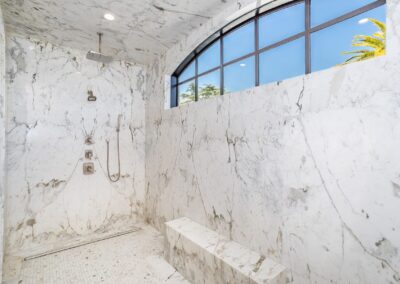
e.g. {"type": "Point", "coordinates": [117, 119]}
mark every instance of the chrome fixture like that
{"type": "Point", "coordinates": [98, 56]}
{"type": "Point", "coordinates": [108, 154]}
{"type": "Point", "coordinates": [88, 168]}
{"type": "Point", "coordinates": [91, 97]}
{"type": "Point", "coordinates": [89, 140]}
{"type": "Point", "coordinates": [88, 154]}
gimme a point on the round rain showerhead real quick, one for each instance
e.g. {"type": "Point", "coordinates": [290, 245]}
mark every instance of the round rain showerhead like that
{"type": "Point", "coordinates": [98, 56]}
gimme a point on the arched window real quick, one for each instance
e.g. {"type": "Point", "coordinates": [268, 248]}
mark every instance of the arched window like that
{"type": "Point", "coordinates": [269, 45]}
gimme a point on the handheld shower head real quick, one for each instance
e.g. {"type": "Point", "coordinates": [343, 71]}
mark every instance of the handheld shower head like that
{"type": "Point", "coordinates": [98, 56]}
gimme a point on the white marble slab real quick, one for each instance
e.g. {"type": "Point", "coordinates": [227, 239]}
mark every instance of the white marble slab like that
{"type": "Point", "coordinates": [49, 199]}
{"type": "Point", "coordinates": [2, 136]}
{"type": "Point", "coordinates": [204, 256]}
{"type": "Point", "coordinates": [306, 170]}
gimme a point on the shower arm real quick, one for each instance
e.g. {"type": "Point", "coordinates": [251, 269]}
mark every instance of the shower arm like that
{"type": "Point", "coordinates": [98, 56]}
{"type": "Point", "coordinates": [100, 36]}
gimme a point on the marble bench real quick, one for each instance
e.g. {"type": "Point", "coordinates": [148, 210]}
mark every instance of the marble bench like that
{"type": "Point", "coordinates": [204, 256]}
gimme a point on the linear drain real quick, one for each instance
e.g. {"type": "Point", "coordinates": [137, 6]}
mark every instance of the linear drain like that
{"type": "Point", "coordinates": [81, 244]}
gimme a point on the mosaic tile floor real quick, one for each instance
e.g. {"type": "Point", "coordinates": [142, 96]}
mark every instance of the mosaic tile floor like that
{"type": "Point", "coordinates": [132, 258]}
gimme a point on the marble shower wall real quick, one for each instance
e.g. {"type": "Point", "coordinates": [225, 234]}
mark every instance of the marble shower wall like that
{"type": "Point", "coordinates": [49, 200]}
{"type": "Point", "coordinates": [2, 136]}
{"type": "Point", "coordinates": [306, 171]}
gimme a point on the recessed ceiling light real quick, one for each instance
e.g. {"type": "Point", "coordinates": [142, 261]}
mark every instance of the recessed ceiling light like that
{"type": "Point", "coordinates": [109, 17]}
{"type": "Point", "coordinates": [363, 21]}
{"type": "Point", "coordinates": [242, 65]}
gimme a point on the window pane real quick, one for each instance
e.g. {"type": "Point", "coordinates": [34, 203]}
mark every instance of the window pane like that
{"type": "Point", "coordinates": [188, 72]}
{"type": "Point", "coordinates": [240, 75]}
{"type": "Point", "coordinates": [239, 42]}
{"type": "Point", "coordinates": [186, 92]}
{"type": "Point", "coordinates": [210, 58]}
{"type": "Point", "coordinates": [328, 45]}
{"type": "Point", "coordinates": [281, 24]}
{"type": "Point", "coordinates": [283, 62]}
{"type": "Point", "coordinates": [325, 10]}
{"type": "Point", "coordinates": [209, 85]}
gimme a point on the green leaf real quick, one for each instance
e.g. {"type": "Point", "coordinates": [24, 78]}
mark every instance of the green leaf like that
{"type": "Point", "coordinates": [375, 44]}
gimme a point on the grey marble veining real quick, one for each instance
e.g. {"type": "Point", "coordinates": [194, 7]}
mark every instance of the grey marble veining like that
{"type": "Point", "coordinates": [142, 29]}
{"type": "Point", "coordinates": [49, 199]}
{"type": "Point", "coordinates": [305, 171]}
{"type": "Point", "coordinates": [2, 135]}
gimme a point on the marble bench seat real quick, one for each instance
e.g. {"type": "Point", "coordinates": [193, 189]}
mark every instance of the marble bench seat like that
{"type": "Point", "coordinates": [204, 256]}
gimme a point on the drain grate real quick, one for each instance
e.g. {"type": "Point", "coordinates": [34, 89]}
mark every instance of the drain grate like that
{"type": "Point", "coordinates": [81, 244]}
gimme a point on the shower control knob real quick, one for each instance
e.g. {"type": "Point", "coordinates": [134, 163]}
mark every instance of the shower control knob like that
{"type": "Point", "coordinates": [88, 154]}
{"type": "Point", "coordinates": [89, 140]}
{"type": "Point", "coordinates": [88, 168]}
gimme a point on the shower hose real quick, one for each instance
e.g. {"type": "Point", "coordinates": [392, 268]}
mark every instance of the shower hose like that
{"type": "Point", "coordinates": [108, 160]}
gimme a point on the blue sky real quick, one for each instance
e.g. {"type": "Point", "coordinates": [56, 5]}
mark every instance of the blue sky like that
{"type": "Point", "coordinates": [325, 10]}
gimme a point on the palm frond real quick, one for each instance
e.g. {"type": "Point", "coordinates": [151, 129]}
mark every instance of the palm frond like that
{"type": "Point", "coordinates": [375, 44]}
{"type": "Point", "coordinates": [380, 25]}
{"type": "Point", "coordinates": [379, 35]}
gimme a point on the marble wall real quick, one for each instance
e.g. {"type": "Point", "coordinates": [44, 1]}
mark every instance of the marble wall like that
{"type": "Point", "coordinates": [2, 135]}
{"type": "Point", "coordinates": [305, 171]}
{"type": "Point", "coordinates": [49, 120]}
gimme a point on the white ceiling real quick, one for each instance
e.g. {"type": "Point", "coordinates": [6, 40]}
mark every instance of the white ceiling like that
{"type": "Point", "coordinates": [142, 29]}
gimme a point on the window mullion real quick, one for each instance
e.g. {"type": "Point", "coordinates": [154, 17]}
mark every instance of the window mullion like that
{"type": "Point", "coordinates": [308, 36]}
{"type": "Point", "coordinates": [222, 84]}
{"type": "Point", "coordinates": [177, 95]}
{"type": "Point", "coordinates": [257, 56]}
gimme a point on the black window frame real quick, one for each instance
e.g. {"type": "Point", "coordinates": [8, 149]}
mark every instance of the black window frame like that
{"type": "Point", "coordinates": [221, 33]}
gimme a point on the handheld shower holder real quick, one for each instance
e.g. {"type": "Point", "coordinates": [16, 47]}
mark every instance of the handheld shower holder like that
{"type": "Point", "coordinates": [91, 97]}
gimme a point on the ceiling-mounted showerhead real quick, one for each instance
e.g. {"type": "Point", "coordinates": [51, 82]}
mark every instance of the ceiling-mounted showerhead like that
{"type": "Point", "coordinates": [98, 56]}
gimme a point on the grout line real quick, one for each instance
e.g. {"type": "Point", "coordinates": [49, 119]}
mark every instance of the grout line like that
{"type": "Point", "coordinates": [80, 244]}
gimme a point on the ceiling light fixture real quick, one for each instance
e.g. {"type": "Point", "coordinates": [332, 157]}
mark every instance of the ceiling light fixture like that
{"type": "Point", "coordinates": [243, 65]}
{"type": "Point", "coordinates": [109, 17]}
{"type": "Point", "coordinates": [363, 21]}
